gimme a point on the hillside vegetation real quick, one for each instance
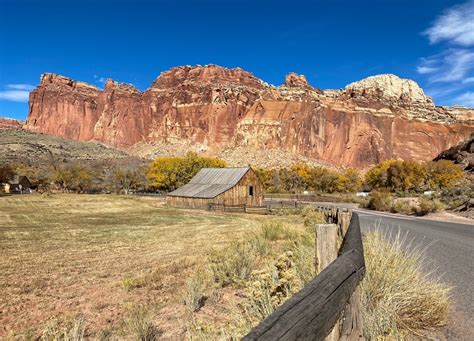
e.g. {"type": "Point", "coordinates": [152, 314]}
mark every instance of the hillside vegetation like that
{"type": "Point", "coordinates": [23, 146]}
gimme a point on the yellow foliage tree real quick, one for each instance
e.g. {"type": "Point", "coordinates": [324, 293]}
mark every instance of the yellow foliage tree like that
{"type": "Point", "coordinates": [168, 173]}
{"type": "Point", "coordinates": [443, 174]}
{"type": "Point", "coordinates": [412, 176]}
{"type": "Point", "coordinates": [349, 181]}
{"type": "Point", "coordinates": [377, 176]}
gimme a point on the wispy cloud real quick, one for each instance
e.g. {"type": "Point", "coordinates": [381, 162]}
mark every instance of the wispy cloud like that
{"type": "Point", "coordinates": [100, 80]}
{"type": "Point", "coordinates": [26, 87]}
{"type": "Point", "coordinates": [455, 25]}
{"type": "Point", "coordinates": [449, 66]}
{"type": "Point", "coordinates": [466, 99]}
{"type": "Point", "coordinates": [450, 73]}
{"type": "Point", "coordinates": [16, 92]}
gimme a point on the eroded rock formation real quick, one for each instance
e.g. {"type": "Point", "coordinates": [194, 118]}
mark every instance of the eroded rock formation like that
{"type": "Point", "coordinates": [213, 109]}
{"type": "Point", "coordinates": [462, 154]}
{"type": "Point", "coordinates": [8, 123]}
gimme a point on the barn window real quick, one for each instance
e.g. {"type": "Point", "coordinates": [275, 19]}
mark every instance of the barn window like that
{"type": "Point", "coordinates": [251, 191]}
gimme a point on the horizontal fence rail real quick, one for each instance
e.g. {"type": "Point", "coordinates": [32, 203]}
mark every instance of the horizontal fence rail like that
{"type": "Point", "coordinates": [312, 313]}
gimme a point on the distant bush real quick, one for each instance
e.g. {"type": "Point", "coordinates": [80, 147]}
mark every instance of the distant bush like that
{"type": "Point", "coordinates": [312, 216]}
{"type": "Point", "coordinates": [428, 205]}
{"type": "Point", "coordinates": [380, 201]}
{"type": "Point", "coordinates": [398, 298]}
{"type": "Point", "coordinates": [275, 230]}
{"type": "Point", "coordinates": [459, 194]}
{"type": "Point", "coordinates": [404, 207]}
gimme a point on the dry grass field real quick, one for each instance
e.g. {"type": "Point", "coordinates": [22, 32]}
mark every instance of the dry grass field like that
{"type": "Point", "coordinates": [106, 267]}
{"type": "Point", "coordinates": [117, 267]}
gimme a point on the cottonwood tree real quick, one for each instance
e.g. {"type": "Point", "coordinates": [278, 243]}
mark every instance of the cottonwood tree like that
{"type": "Point", "coordinates": [169, 173]}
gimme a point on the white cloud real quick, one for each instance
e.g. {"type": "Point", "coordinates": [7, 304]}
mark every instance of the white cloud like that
{"type": "Point", "coordinates": [455, 25]}
{"type": "Point", "coordinates": [466, 99]}
{"type": "Point", "coordinates": [423, 69]}
{"type": "Point", "coordinates": [468, 80]}
{"type": "Point", "coordinates": [452, 65]}
{"type": "Point", "coordinates": [450, 73]}
{"type": "Point", "coordinates": [15, 95]}
{"type": "Point", "coordinates": [100, 80]}
{"type": "Point", "coordinates": [27, 87]}
{"type": "Point", "coordinates": [16, 92]}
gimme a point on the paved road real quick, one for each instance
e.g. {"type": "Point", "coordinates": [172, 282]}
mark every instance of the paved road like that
{"type": "Point", "coordinates": [450, 251]}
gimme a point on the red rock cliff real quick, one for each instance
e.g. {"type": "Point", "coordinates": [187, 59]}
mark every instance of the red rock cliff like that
{"type": "Point", "coordinates": [210, 108]}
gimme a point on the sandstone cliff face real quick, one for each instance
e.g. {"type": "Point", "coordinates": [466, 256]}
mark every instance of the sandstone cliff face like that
{"type": "Point", "coordinates": [8, 123]}
{"type": "Point", "coordinates": [213, 109]}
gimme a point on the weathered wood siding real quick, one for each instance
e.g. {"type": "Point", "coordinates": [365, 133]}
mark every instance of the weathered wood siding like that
{"type": "Point", "coordinates": [237, 195]}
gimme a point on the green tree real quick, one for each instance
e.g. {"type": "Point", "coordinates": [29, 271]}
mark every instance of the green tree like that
{"type": "Point", "coordinates": [72, 177]}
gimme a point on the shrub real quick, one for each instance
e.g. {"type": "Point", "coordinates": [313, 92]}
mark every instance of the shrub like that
{"type": "Point", "coordinates": [139, 325]}
{"type": "Point", "coordinates": [129, 282]}
{"type": "Point", "coordinates": [196, 285]}
{"type": "Point", "coordinates": [403, 206]}
{"type": "Point", "coordinates": [312, 216]}
{"type": "Point", "coordinates": [275, 230]}
{"type": "Point", "coordinates": [260, 303]}
{"type": "Point", "coordinates": [398, 298]}
{"type": "Point", "coordinates": [427, 205]}
{"type": "Point", "coordinates": [234, 264]}
{"type": "Point", "coordinates": [64, 329]}
{"type": "Point", "coordinates": [380, 201]}
{"type": "Point", "coordinates": [459, 194]}
{"type": "Point", "coordinates": [261, 245]}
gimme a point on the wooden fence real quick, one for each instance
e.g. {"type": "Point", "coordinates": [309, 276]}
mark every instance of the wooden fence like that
{"type": "Point", "coordinates": [266, 209]}
{"type": "Point", "coordinates": [300, 197]}
{"type": "Point", "coordinates": [238, 208]}
{"type": "Point", "coordinates": [313, 312]}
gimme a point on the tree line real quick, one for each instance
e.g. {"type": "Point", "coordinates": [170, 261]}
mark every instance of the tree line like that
{"type": "Point", "coordinates": [165, 174]}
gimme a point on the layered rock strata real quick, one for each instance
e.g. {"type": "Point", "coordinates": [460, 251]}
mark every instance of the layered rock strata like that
{"type": "Point", "coordinates": [212, 109]}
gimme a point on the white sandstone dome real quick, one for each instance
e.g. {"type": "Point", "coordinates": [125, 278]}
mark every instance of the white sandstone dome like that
{"type": "Point", "coordinates": [390, 87]}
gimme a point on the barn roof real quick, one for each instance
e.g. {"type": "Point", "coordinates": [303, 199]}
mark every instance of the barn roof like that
{"type": "Point", "coordinates": [210, 182]}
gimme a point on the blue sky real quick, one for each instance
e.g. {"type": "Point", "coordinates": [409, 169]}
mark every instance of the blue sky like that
{"type": "Point", "coordinates": [333, 42]}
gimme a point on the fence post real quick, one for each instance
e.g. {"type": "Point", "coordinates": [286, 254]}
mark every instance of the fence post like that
{"type": "Point", "coordinates": [326, 252]}
{"type": "Point", "coordinates": [352, 320]}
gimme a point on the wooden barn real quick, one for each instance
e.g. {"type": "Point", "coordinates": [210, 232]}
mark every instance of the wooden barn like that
{"type": "Point", "coordinates": [19, 185]}
{"type": "Point", "coordinates": [229, 186]}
